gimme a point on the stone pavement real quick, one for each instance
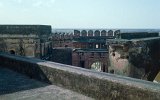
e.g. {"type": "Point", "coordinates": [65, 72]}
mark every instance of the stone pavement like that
{"type": "Point", "coordinates": [15, 86]}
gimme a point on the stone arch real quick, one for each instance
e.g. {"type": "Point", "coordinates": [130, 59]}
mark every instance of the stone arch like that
{"type": "Point", "coordinates": [76, 33]}
{"type": "Point", "coordinates": [103, 33]}
{"type": "Point", "coordinates": [97, 33]}
{"type": "Point", "coordinates": [117, 33]}
{"type": "Point", "coordinates": [12, 52]}
{"type": "Point", "coordinates": [90, 33]}
{"type": "Point", "coordinates": [110, 33]}
{"type": "Point", "coordinates": [97, 65]}
{"type": "Point", "coordinates": [83, 33]}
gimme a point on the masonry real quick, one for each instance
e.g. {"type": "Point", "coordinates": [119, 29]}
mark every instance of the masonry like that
{"type": "Point", "coordinates": [88, 48]}
{"type": "Point", "coordinates": [98, 85]}
{"type": "Point", "coordinates": [26, 40]}
{"type": "Point", "coordinates": [135, 55]}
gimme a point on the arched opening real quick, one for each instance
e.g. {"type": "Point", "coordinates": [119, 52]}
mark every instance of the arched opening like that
{"type": "Point", "coordinates": [97, 66]}
{"type": "Point", "coordinates": [84, 33]}
{"type": "Point", "coordinates": [103, 33]}
{"type": "Point", "coordinates": [12, 52]}
{"type": "Point", "coordinates": [97, 33]}
{"type": "Point", "coordinates": [90, 33]}
{"type": "Point", "coordinates": [117, 33]}
{"type": "Point", "coordinates": [76, 33]}
{"type": "Point", "coordinates": [110, 33]}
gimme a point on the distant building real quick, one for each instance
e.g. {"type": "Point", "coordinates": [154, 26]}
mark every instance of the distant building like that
{"type": "Point", "coordinates": [26, 40]}
{"type": "Point", "coordinates": [89, 48]}
{"type": "Point", "coordinates": [62, 39]}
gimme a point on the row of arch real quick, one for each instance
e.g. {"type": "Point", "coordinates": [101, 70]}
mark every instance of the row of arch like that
{"type": "Point", "coordinates": [84, 33]}
{"type": "Point", "coordinates": [96, 32]}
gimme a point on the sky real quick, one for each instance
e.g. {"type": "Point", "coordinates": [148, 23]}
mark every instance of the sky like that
{"type": "Point", "coordinates": [82, 13]}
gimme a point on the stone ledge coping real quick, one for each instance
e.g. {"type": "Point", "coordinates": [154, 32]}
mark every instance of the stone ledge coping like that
{"type": "Point", "coordinates": [135, 40]}
{"type": "Point", "coordinates": [20, 87]}
{"type": "Point", "coordinates": [91, 83]}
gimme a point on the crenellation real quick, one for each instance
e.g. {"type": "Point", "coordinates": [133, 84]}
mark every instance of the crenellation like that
{"type": "Point", "coordinates": [90, 49]}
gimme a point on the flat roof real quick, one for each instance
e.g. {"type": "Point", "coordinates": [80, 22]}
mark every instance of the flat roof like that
{"type": "Point", "coordinates": [134, 40]}
{"type": "Point", "coordinates": [25, 29]}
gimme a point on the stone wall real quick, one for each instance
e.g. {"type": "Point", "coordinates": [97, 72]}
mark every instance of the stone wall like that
{"type": "Point", "coordinates": [94, 84]}
{"type": "Point", "coordinates": [26, 40]}
{"type": "Point", "coordinates": [85, 59]}
{"type": "Point", "coordinates": [25, 45]}
{"type": "Point", "coordinates": [62, 55]}
{"type": "Point", "coordinates": [138, 58]}
{"type": "Point", "coordinates": [25, 29]}
{"type": "Point", "coordinates": [137, 35]}
{"type": "Point", "coordinates": [62, 43]}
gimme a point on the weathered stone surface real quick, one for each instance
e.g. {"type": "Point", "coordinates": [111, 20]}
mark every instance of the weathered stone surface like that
{"type": "Point", "coordinates": [15, 86]}
{"type": "Point", "coordinates": [26, 40]}
{"type": "Point", "coordinates": [136, 35]}
{"type": "Point", "coordinates": [62, 55]}
{"type": "Point", "coordinates": [86, 58]}
{"type": "Point", "coordinates": [51, 92]}
{"type": "Point", "coordinates": [137, 58]}
{"type": "Point", "coordinates": [157, 79]}
{"type": "Point", "coordinates": [25, 29]}
{"type": "Point", "coordinates": [88, 48]}
{"type": "Point", "coordinates": [11, 81]}
{"type": "Point", "coordinates": [94, 84]}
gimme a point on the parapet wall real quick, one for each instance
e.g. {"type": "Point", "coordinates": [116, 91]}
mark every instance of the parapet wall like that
{"type": "Point", "coordinates": [138, 58]}
{"type": "Point", "coordinates": [94, 84]}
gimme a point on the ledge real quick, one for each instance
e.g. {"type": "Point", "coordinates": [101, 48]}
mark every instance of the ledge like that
{"type": "Point", "coordinates": [98, 85]}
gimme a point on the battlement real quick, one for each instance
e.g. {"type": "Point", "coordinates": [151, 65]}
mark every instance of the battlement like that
{"type": "Point", "coordinates": [86, 33]}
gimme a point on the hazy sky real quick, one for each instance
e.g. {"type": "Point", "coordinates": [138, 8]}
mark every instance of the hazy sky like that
{"type": "Point", "coordinates": [82, 13]}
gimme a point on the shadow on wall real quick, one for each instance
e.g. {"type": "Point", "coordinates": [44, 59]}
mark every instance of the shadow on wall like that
{"type": "Point", "coordinates": [155, 56]}
{"type": "Point", "coordinates": [148, 59]}
{"type": "Point", "coordinates": [63, 56]}
{"type": "Point", "coordinates": [12, 52]}
{"type": "Point", "coordinates": [11, 81]}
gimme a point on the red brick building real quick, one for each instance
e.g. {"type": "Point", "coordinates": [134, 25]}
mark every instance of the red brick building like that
{"type": "Point", "coordinates": [89, 48]}
{"type": "Point", "coordinates": [90, 59]}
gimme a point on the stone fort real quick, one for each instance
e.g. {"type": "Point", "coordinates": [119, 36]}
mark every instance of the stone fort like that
{"type": "Point", "coordinates": [127, 54]}
{"type": "Point", "coordinates": [133, 54]}
{"type": "Point", "coordinates": [88, 48]}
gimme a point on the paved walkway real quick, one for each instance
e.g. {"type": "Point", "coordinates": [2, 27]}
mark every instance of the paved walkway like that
{"type": "Point", "coordinates": [15, 86]}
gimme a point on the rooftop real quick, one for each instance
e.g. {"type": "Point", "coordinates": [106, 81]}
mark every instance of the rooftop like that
{"type": "Point", "coordinates": [20, 87]}
{"type": "Point", "coordinates": [25, 29]}
{"type": "Point", "coordinates": [135, 40]}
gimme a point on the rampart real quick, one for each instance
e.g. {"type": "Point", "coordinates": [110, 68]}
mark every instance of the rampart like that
{"type": "Point", "coordinates": [91, 83]}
